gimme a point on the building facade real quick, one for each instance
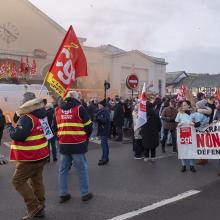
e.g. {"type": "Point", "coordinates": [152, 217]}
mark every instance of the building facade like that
{"type": "Point", "coordinates": [25, 31]}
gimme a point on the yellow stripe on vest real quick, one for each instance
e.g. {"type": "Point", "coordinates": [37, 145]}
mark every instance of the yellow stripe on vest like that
{"type": "Point", "coordinates": [61, 125]}
{"type": "Point", "coordinates": [87, 123]}
{"type": "Point", "coordinates": [36, 147]}
{"type": "Point", "coordinates": [71, 132]}
{"type": "Point", "coordinates": [35, 137]}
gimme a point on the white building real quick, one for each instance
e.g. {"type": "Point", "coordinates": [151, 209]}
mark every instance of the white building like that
{"type": "Point", "coordinates": [27, 31]}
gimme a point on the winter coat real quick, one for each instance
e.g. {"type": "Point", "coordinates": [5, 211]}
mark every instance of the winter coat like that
{"type": "Point", "coordinates": [75, 148]}
{"type": "Point", "coordinates": [92, 110]}
{"type": "Point", "coordinates": [25, 124]}
{"type": "Point", "coordinates": [150, 130]}
{"type": "Point", "coordinates": [2, 122]}
{"type": "Point", "coordinates": [103, 120]}
{"type": "Point", "coordinates": [168, 118]}
{"type": "Point", "coordinates": [118, 118]}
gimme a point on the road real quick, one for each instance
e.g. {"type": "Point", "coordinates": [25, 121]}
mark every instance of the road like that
{"type": "Point", "coordinates": [123, 186]}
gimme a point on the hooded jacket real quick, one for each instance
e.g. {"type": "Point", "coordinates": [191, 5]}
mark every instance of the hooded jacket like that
{"type": "Point", "coordinates": [24, 124]}
{"type": "Point", "coordinates": [81, 147]}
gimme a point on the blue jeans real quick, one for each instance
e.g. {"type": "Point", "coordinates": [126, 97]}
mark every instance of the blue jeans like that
{"type": "Point", "coordinates": [80, 163]}
{"type": "Point", "coordinates": [105, 147]}
{"type": "Point", "coordinates": [52, 145]}
{"type": "Point", "coordinates": [187, 162]}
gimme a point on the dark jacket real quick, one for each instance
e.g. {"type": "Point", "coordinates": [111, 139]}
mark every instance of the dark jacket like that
{"type": "Point", "coordinates": [118, 118]}
{"type": "Point", "coordinates": [213, 107]}
{"type": "Point", "coordinates": [150, 130]}
{"type": "Point", "coordinates": [25, 125]}
{"type": "Point", "coordinates": [76, 148]}
{"type": "Point", "coordinates": [168, 116]}
{"type": "Point", "coordinates": [103, 119]}
{"type": "Point", "coordinates": [92, 110]}
{"type": "Point", "coordinates": [2, 121]}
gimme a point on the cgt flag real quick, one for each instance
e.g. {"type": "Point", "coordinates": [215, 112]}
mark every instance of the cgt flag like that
{"type": "Point", "coordinates": [142, 115]}
{"type": "Point", "coordinates": [69, 64]}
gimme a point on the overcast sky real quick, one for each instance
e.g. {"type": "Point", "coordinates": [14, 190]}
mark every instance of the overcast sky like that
{"type": "Point", "coordinates": [185, 32]}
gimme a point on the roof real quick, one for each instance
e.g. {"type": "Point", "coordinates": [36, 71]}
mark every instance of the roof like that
{"type": "Point", "coordinates": [173, 78]}
{"type": "Point", "coordinates": [111, 49]}
{"type": "Point", "coordinates": [194, 80]}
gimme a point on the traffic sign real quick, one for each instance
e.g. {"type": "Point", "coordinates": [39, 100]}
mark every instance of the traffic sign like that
{"type": "Point", "coordinates": [132, 81]}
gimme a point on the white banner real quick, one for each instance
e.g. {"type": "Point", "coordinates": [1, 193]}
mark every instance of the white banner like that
{"type": "Point", "coordinates": [46, 128]}
{"type": "Point", "coordinates": [199, 144]}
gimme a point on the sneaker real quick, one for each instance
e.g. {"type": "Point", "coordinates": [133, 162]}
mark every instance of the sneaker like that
{"type": "Point", "coordinates": [40, 214]}
{"type": "Point", "coordinates": [87, 197]}
{"type": "Point", "coordinates": [138, 158]}
{"type": "Point", "coordinates": [183, 169]}
{"type": "Point", "coordinates": [102, 162]}
{"type": "Point", "coordinates": [146, 159]}
{"type": "Point", "coordinates": [152, 159]}
{"type": "Point", "coordinates": [65, 198]}
{"type": "Point", "coordinates": [54, 159]}
{"type": "Point", "coordinates": [175, 151]}
{"type": "Point", "coordinates": [192, 169]}
{"type": "Point", "coordinates": [33, 212]}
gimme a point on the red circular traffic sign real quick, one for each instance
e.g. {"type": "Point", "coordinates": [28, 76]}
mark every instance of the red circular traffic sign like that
{"type": "Point", "coordinates": [132, 81]}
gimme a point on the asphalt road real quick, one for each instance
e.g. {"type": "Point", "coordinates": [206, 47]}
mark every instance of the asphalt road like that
{"type": "Point", "coordinates": [124, 185]}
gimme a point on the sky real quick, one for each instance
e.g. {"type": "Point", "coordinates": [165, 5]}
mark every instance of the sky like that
{"type": "Point", "coordinates": [184, 32]}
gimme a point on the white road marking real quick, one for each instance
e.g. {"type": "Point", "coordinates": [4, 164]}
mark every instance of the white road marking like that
{"type": "Point", "coordinates": [155, 205]}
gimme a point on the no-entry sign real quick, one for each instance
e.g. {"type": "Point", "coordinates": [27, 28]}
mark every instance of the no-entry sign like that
{"type": "Point", "coordinates": [132, 81]}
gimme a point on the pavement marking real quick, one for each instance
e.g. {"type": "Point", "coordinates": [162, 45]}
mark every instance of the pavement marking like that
{"type": "Point", "coordinates": [155, 205]}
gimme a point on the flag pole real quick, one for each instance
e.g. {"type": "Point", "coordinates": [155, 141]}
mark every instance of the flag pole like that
{"type": "Point", "coordinates": [45, 78]}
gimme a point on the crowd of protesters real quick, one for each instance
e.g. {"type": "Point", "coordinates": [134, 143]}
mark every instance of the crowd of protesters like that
{"type": "Point", "coordinates": [101, 120]}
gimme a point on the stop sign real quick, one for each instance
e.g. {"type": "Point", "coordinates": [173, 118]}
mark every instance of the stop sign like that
{"type": "Point", "coordinates": [132, 81]}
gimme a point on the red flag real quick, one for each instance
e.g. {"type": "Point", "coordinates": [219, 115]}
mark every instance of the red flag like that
{"type": "Point", "coordinates": [14, 70]}
{"type": "Point", "coordinates": [21, 67]}
{"type": "Point", "coordinates": [182, 93]}
{"type": "Point", "coordinates": [26, 67]}
{"type": "Point", "coordinates": [69, 64]}
{"type": "Point", "coordinates": [142, 115]}
{"type": "Point", "coordinates": [33, 68]}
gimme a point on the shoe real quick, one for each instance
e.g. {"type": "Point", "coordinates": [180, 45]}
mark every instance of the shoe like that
{"type": "Point", "coordinates": [192, 169]}
{"type": "Point", "coordinates": [40, 214]}
{"type": "Point", "coordinates": [183, 169]}
{"type": "Point", "coordinates": [146, 159]}
{"type": "Point", "coordinates": [102, 162]}
{"type": "Point", "coordinates": [87, 197]}
{"type": "Point", "coordinates": [33, 212]}
{"type": "Point", "coordinates": [169, 145]}
{"type": "Point", "coordinates": [138, 157]}
{"type": "Point", "coordinates": [152, 159]}
{"type": "Point", "coordinates": [175, 151]}
{"type": "Point", "coordinates": [65, 198]}
{"type": "Point", "coordinates": [54, 159]}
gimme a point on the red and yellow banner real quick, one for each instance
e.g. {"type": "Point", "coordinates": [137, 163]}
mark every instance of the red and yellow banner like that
{"type": "Point", "coordinates": [69, 64]}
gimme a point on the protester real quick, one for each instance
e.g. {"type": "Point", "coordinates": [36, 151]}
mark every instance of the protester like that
{"type": "Point", "coordinates": [112, 132]}
{"type": "Point", "coordinates": [150, 133]}
{"type": "Point", "coordinates": [29, 149]}
{"type": "Point", "coordinates": [92, 110]}
{"type": "Point", "coordinates": [118, 119]}
{"type": "Point", "coordinates": [183, 117]}
{"type": "Point", "coordinates": [168, 116]}
{"type": "Point", "coordinates": [137, 142]}
{"type": "Point", "coordinates": [73, 130]}
{"type": "Point", "coordinates": [103, 119]}
{"type": "Point", "coordinates": [2, 124]}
